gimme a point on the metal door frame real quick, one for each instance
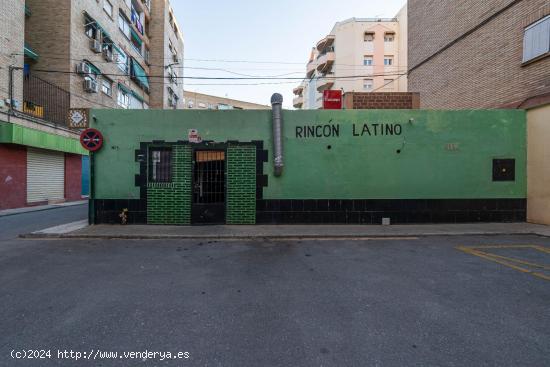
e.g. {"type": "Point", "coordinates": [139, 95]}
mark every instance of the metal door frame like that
{"type": "Point", "coordinates": [215, 147]}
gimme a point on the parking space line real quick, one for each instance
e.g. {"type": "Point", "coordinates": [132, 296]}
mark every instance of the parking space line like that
{"type": "Point", "coordinates": [517, 261]}
{"type": "Point", "coordinates": [508, 262]}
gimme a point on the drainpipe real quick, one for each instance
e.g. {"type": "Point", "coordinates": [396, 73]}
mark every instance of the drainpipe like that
{"type": "Point", "coordinates": [277, 105]}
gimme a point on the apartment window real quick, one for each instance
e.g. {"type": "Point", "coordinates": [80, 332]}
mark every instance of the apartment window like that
{"type": "Point", "coordinates": [108, 7]}
{"type": "Point", "coordinates": [368, 61]}
{"type": "Point", "coordinates": [388, 60]}
{"type": "Point", "coordinates": [124, 25]}
{"type": "Point", "coordinates": [123, 99]}
{"type": "Point", "coordinates": [388, 84]}
{"type": "Point", "coordinates": [369, 37]}
{"type": "Point", "coordinates": [173, 98]}
{"type": "Point", "coordinates": [160, 165]}
{"type": "Point", "coordinates": [107, 87]}
{"type": "Point", "coordinates": [91, 30]}
{"type": "Point", "coordinates": [122, 61]}
{"type": "Point", "coordinates": [389, 37]}
{"type": "Point", "coordinates": [368, 84]}
{"type": "Point", "coordinates": [536, 40]}
{"type": "Point", "coordinates": [136, 42]}
{"type": "Point", "coordinates": [135, 102]}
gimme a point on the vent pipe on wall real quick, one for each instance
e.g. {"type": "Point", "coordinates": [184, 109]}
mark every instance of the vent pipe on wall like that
{"type": "Point", "coordinates": [277, 105]}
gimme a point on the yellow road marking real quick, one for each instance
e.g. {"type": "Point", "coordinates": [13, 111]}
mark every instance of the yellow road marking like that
{"type": "Point", "coordinates": [517, 260]}
{"type": "Point", "coordinates": [502, 259]}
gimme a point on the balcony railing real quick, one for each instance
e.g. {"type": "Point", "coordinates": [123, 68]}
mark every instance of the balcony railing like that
{"type": "Point", "coordinates": [44, 100]}
{"type": "Point", "coordinates": [325, 61]}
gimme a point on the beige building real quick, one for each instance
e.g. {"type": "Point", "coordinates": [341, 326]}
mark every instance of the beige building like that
{"type": "Point", "coordinates": [194, 101]}
{"type": "Point", "coordinates": [488, 54]}
{"type": "Point", "coordinates": [107, 53]}
{"type": "Point", "coordinates": [358, 55]}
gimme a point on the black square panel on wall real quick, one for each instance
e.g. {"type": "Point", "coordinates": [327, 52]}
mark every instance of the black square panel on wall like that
{"type": "Point", "coordinates": [504, 169]}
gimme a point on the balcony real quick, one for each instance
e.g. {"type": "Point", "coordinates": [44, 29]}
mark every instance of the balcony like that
{"type": "Point", "coordinates": [325, 61]}
{"type": "Point", "coordinates": [328, 41]}
{"type": "Point", "coordinates": [311, 67]}
{"type": "Point", "coordinates": [298, 102]}
{"type": "Point", "coordinates": [298, 90]}
{"type": "Point", "coordinates": [324, 83]}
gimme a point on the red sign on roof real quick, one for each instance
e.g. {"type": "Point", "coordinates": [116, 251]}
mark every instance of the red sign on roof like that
{"type": "Point", "coordinates": [332, 100]}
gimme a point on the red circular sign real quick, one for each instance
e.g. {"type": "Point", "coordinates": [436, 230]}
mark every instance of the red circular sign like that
{"type": "Point", "coordinates": [91, 139]}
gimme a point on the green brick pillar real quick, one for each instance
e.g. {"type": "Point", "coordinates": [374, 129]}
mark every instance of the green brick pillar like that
{"type": "Point", "coordinates": [241, 184]}
{"type": "Point", "coordinates": [170, 203]}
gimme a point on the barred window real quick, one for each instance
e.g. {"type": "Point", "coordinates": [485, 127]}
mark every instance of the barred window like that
{"type": "Point", "coordinates": [160, 165]}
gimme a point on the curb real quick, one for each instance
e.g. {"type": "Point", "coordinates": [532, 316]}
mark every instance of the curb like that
{"type": "Point", "coordinates": [268, 237]}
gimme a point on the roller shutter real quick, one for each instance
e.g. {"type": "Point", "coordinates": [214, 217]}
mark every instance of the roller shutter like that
{"type": "Point", "coordinates": [45, 175]}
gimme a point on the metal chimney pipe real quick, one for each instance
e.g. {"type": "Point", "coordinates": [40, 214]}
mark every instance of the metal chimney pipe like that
{"type": "Point", "coordinates": [277, 106]}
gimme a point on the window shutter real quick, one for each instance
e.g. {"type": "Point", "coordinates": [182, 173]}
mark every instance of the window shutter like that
{"type": "Point", "coordinates": [536, 41]}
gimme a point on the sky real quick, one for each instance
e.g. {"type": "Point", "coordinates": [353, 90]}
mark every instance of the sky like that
{"type": "Point", "coordinates": [250, 38]}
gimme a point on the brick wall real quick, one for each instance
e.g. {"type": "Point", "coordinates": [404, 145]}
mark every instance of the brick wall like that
{"type": "Point", "coordinates": [73, 177]}
{"type": "Point", "coordinates": [12, 22]}
{"type": "Point", "coordinates": [384, 101]}
{"type": "Point", "coordinates": [170, 203]}
{"type": "Point", "coordinates": [483, 70]}
{"type": "Point", "coordinates": [13, 176]}
{"type": "Point", "coordinates": [241, 184]}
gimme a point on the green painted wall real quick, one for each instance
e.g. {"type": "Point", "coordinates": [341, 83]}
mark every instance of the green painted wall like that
{"type": "Point", "coordinates": [444, 154]}
{"type": "Point", "coordinates": [17, 134]}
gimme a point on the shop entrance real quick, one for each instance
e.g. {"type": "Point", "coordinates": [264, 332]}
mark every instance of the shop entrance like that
{"type": "Point", "coordinates": [209, 187]}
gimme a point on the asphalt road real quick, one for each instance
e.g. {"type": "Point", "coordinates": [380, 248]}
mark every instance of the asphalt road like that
{"type": "Point", "coordinates": [13, 225]}
{"type": "Point", "coordinates": [313, 303]}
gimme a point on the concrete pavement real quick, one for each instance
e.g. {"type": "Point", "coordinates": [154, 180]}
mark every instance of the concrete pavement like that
{"type": "Point", "coordinates": [287, 231]}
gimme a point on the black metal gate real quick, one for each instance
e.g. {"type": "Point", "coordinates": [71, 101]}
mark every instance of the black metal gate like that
{"type": "Point", "coordinates": [208, 187]}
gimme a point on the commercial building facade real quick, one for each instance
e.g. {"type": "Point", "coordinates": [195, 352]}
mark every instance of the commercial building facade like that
{"type": "Point", "coordinates": [488, 54]}
{"type": "Point", "coordinates": [359, 55]}
{"type": "Point", "coordinates": [353, 166]}
{"type": "Point", "coordinates": [201, 101]}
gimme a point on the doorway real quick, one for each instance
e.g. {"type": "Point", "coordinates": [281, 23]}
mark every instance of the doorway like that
{"type": "Point", "coordinates": [209, 187]}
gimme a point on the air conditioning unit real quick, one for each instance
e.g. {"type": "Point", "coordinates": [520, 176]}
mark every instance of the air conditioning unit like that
{"type": "Point", "coordinates": [108, 55]}
{"type": "Point", "coordinates": [90, 85]}
{"type": "Point", "coordinates": [83, 68]}
{"type": "Point", "coordinates": [95, 46]}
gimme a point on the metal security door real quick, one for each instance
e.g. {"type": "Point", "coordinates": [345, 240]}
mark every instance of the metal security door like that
{"type": "Point", "coordinates": [208, 187]}
{"type": "Point", "coordinates": [45, 176]}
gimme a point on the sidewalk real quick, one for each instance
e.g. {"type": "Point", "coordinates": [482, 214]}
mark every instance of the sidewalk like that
{"type": "Point", "coordinates": [79, 230]}
{"type": "Point", "coordinates": [30, 209]}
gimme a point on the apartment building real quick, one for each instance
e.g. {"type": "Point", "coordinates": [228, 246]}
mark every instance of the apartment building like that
{"type": "Point", "coordinates": [483, 54]}
{"type": "Point", "coordinates": [488, 54]}
{"type": "Point", "coordinates": [358, 55]}
{"type": "Point", "coordinates": [40, 162]}
{"type": "Point", "coordinates": [106, 53]}
{"type": "Point", "coordinates": [200, 101]}
{"type": "Point", "coordinates": [167, 48]}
